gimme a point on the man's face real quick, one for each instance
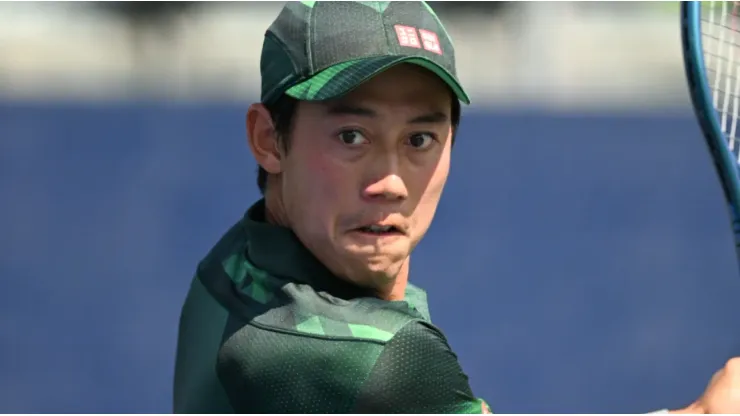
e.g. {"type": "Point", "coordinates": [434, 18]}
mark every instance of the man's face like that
{"type": "Point", "coordinates": [363, 175]}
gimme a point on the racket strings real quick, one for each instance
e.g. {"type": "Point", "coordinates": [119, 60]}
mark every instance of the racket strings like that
{"type": "Point", "coordinates": [721, 45]}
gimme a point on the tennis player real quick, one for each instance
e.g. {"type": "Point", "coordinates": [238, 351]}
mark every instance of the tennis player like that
{"type": "Point", "coordinates": [305, 305]}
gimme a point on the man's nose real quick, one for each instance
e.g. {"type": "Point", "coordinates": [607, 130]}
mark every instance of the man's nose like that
{"type": "Point", "coordinates": [390, 188]}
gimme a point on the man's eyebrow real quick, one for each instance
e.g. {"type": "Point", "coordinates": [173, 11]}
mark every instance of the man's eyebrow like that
{"type": "Point", "coordinates": [352, 110]}
{"type": "Point", "coordinates": [434, 117]}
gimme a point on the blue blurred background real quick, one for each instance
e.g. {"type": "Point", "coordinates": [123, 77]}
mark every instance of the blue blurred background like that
{"type": "Point", "coordinates": [581, 260]}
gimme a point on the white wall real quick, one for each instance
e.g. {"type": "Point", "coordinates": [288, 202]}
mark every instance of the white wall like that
{"type": "Point", "coordinates": [558, 54]}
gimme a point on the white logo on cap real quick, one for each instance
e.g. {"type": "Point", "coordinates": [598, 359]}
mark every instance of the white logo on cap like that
{"type": "Point", "coordinates": [407, 36]}
{"type": "Point", "coordinates": [430, 41]}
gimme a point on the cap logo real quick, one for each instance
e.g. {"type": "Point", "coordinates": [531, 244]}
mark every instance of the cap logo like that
{"type": "Point", "coordinates": [430, 41]}
{"type": "Point", "coordinates": [407, 36]}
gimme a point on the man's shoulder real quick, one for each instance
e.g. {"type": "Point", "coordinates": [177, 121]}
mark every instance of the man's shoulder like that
{"type": "Point", "coordinates": [305, 346]}
{"type": "Point", "coordinates": [318, 365]}
{"type": "Point", "coordinates": [299, 310]}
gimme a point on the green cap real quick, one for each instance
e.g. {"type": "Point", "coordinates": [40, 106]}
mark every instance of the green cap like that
{"type": "Point", "coordinates": [317, 50]}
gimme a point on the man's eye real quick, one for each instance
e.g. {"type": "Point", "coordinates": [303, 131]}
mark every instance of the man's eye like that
{"type": "Point", "coordinates": [352, 137]}
{"type": "Point", "coordinates": [421, 140]}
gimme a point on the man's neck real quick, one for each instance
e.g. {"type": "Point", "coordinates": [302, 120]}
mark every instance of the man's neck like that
{"type": "Point", "coordinates": [274, 210]}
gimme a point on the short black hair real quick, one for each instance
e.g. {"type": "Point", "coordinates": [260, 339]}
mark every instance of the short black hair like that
{"type": "Point", "coordinates": [282, 111]}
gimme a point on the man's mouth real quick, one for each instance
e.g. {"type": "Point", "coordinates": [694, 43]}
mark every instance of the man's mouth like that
{"type": "Point", "coordinates": [380, 230]}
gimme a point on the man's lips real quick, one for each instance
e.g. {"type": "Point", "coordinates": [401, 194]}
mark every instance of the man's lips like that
{"type": "Point", "coordinates": [380, 229]}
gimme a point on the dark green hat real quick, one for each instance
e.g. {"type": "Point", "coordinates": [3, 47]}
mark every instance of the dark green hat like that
{"type": "Point", "coordinates": [317, 50]}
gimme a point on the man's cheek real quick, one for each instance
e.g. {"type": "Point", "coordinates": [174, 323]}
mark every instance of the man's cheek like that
{"type": "Point", "coordinates": [328, 176]}
{"type": "Point", "coordinates": [439, 178]}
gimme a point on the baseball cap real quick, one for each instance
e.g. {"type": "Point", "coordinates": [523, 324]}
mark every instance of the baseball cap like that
{"type": "Point", "coordinates": [318, 50]}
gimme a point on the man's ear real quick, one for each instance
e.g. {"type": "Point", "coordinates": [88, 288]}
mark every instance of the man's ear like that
{"type": "Point", "coordinates": [263, 138]}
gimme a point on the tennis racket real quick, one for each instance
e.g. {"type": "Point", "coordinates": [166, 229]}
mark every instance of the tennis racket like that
{"type": "Point", "coordinates": [710, 34]}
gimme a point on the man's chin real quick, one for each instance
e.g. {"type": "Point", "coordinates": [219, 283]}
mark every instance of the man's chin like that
{"type": "Point", "coordinates": [376, 275]}
{"type": "Point", "coordinates": [379, 257]}
{"type": "Point", "coordinates": [370, 245]}
{"type": "Point", "coordinates": [385, 265]}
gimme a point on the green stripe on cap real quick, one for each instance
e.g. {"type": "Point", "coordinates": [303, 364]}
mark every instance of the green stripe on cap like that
{"type": "Point", "coordinates": [340, 79]}
{"type": "Point", "coordinates": [319, 81]}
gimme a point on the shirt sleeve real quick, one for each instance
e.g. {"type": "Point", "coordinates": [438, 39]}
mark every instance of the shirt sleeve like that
{"type": "Point", "coordinates": [417, 372]}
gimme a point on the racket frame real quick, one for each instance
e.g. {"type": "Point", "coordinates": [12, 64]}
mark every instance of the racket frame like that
{"type": "Point", "coordinates": [701, 97]}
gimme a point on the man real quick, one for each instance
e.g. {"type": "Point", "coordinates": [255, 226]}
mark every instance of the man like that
{"type": "Point", "coordinates": [304, 306]}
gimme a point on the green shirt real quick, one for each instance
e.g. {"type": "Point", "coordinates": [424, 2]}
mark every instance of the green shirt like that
{"type": "Point", "coordinates": [266, 328]}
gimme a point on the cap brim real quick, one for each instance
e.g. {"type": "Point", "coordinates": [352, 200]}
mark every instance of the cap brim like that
{"type": "Point", "coordinates": [340, 79]}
